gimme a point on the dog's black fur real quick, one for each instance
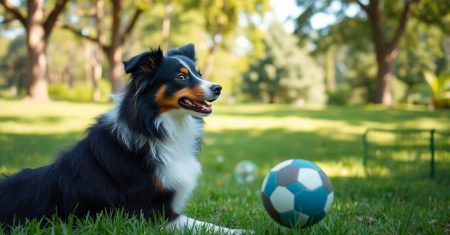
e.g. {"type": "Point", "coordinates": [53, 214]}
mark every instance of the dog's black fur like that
{"type": "Point", "coordinates": [100, 172]}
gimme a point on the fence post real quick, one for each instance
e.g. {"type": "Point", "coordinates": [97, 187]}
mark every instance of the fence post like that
{"type": "Point", "coordinates": [432, 151]}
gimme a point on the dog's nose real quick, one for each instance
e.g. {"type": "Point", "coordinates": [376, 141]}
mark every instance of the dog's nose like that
{"type": "Point", "coordinates": [216, 89]}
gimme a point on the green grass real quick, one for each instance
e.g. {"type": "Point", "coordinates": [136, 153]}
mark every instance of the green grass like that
{"type": "Point", "coordinates": [31, 135]}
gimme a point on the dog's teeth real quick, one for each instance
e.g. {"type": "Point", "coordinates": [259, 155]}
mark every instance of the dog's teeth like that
{"type": "Point", "coordinates": [188, 102]}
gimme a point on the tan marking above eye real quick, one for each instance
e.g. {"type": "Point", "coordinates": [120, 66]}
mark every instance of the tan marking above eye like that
{"type": "Point", "coordinates": [184, 70]}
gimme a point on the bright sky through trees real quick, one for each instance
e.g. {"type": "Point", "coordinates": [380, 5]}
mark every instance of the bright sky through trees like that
{"type": "Point", "coordinates": [287, 10]}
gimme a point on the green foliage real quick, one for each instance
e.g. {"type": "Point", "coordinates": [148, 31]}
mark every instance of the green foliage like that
{"type": "Point", "coordinates": [188, 27]}
{"type": "Point", "coordinates": [13, 64]}
{"type": "Point", "coordinates": [399, 90]}
{"type": "Point", "coordinates": [434, 12]}
{"type": "Point", "coordinates": [421, 47]}
{"type": "Point", "coordinates": [347, 95]}
{"type": "Point", "coordinates": [440, 88]}
{"type": "Point", "coordinates": [223, 16]}
{"type": "Point", "coordinates": [330, 137]}
{"type": "Point", "coordinates": [285, 73]}
{"type": "Point", "coordinates": [79, 91]}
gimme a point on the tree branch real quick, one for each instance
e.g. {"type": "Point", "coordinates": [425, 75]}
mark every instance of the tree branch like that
{"type": "Point", "coordinates": [364, 7]}
{"type": "Point", "coordinates": [401, 25]}
{"type": "Point", "coordinates": [77, 32]}
{"type": "Point", "coordinates": [53, 16]}
{"type": "Point", "coordinates": [130, 26]}
{"type": "Point", "coordinates": [7, 20]}
{"type": "Point", "coordinates": [11, 8]}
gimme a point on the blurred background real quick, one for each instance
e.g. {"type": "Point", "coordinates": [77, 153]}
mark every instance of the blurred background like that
{"type": "Point", "coordinates": [360, 87]}
{"type": "Point", "coordinates": [302, 52]}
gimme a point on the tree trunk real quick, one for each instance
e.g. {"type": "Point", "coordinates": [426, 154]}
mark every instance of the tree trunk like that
{"type": "Point", "coordinates": [97, 58]}
{"type": "Point", "coordinates": [96, 74]}
{"type": "Point", "coordinates": [116, 70]}
{"type": "Point", "coordinates": [114, 52]}
{"type": "Point", "coordinates": [210, 60]}
{"type": "Point", "coordinates": [272, 97]}
{"type": "Point", "coordinates": [384, 80]}
{"type": "Point", "coordinates": [168, 9]}
{"type": "Point", "coordinates": [37, 83]}
{"type": "Point", "coordinates": [330, 70]}
{"type": "Point", "coordinates": [385, 50]}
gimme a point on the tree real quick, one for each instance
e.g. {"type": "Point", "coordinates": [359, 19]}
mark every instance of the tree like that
{"type": "Point", "coordinates": [97, 50]}
{"type": "Point", "coordinates": [38, 29]}
{"type": "Point", "coordinates": [221, 18]}
{"type": "Point", "coordinates": [285, 73]}
{"type": "Point", "coordinates": [423, 52]}
{"type": "Point", "coordinates": [13, 64]}
{"type": "Point", "coordinates": [387, 26]}
{"type": "Point", "coordinates": [118, 36]}
{"type": "Point", "coordinates": [386, 48]}
{"type": "Point", "coordinates": [342, 45]}
{"type": "Point", "coordinates": [168, 10]}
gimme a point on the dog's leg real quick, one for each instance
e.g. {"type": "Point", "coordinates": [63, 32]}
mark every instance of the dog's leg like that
{"type": "Point", "coordinates": [192, 224]}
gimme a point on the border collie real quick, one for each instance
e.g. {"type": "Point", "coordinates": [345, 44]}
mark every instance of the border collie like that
{"type": "Point", "coordinates": [140, 157]}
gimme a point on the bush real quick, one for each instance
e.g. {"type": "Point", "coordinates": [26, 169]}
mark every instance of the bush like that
{"type": "Point", "coordinates": [80, 92]}
{"type": "Point", "coordinates": [339, 97]}
{"type": "Point", "coordinates": [346, 95]}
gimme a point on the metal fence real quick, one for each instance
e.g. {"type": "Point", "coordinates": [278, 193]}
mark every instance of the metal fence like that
{"type": "Point", "coordinates": [407, 152]}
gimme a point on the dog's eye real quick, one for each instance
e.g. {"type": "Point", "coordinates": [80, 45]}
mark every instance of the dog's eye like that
{"type": "Point", "coordinates": [182, 77]}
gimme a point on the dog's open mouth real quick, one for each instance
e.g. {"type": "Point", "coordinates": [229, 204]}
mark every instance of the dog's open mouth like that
{"type": "Point", "coordinates": [196, 106]}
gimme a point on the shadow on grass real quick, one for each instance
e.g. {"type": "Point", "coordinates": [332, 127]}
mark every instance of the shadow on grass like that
{"type": "Point", "coordinates": [351, 115]}
{"type": "Point", "coordinates": [222, 150]}
{"type": "Point", "coordinates": [32, 150]}
{"type": "Point", "coordinates": [32, 120]}
{"type": "Point", "coordinates": [277, 144]}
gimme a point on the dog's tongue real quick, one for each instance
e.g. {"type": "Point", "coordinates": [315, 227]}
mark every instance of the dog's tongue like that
{"type": "Point", "coordinates": [203, 105]}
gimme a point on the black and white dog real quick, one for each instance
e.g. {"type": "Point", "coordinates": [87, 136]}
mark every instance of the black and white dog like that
{"type": "Point", "coordinates": [140, 157]}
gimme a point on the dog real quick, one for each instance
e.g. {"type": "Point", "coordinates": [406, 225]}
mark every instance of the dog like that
{"type": "Point", "coordinates": [140, 156]}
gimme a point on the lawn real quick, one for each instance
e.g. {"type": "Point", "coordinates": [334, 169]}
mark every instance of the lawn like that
{"type": "Point", "coordinates": [31, 135]}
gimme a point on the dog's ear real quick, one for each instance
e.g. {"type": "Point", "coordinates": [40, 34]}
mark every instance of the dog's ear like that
{"type": "Point", "coordinates": [186, 50]}
{"type": "Point", "coordinates": [144, 62]}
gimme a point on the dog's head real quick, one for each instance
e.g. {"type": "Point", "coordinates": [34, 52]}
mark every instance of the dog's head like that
{"type": "Point", "coordinates": [161, 84]}
{"type": "Point", "coordinates": [170, 82]}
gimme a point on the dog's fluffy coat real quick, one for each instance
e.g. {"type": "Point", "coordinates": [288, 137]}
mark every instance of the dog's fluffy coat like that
{"type": "Point", "coordinates": [141, 156]}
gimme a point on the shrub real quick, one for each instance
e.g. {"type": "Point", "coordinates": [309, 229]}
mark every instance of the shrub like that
{"type": "Point", "coordinates": [79, 92]}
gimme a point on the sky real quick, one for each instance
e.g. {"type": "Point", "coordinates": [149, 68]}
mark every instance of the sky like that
{"type": "Point", "coordinates": [287, 10]}
{"type": "Point", "coordinates": [283, 10]}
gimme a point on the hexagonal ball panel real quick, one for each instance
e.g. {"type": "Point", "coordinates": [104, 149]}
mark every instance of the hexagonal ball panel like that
{"type": "Point", "coordinates": [326, 181]}
{"type": "Point", "coordinates": [300, 163]}
{"type": "Point", "coordinates": [287, 175]}
{"type": "Point", "coordinates": [281, 165]}
{"type": "Point", "coordinates": [270, 183]}
{"type": "Point", "coordinates": [269, 208]}
{"type": "Point", "coordinates": [311, 202]}
{"type": "Point", "coordinates": [329, 202]}
{"type": "Point", "coordinates": [282, 199]}
{"type": "Point", "coordinates": [309, 178]}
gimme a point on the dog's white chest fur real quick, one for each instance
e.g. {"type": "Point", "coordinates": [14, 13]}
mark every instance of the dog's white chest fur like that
{"type": "Point", "coordinates": [178, 152]}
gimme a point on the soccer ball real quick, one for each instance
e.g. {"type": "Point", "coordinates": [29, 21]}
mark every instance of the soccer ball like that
{"type": "Point", "coordinates": [245, 172]}
{"type": "Point", "coordinates": [297, 193]}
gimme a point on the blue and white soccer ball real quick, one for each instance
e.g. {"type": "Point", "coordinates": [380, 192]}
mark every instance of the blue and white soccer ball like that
{"type": "Point", "coordinates": [297, 193]}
